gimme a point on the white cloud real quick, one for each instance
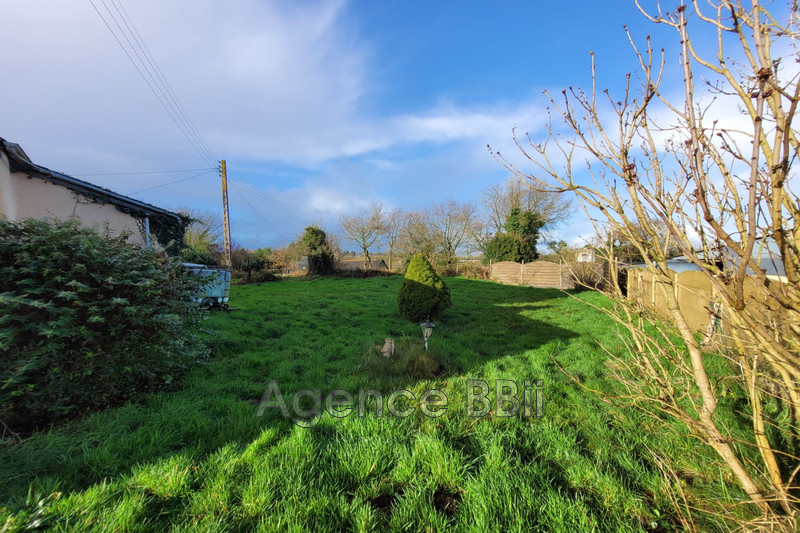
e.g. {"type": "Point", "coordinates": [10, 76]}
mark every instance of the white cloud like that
{"type": "Point", "coordinates": [264, 82]}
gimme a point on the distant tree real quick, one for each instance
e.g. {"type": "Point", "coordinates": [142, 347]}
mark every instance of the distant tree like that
{"type": "Point", "coordinates": [451, 225]}
{"type": "Point", "coordinates": [518, 242]}
{"type": "Point", "coordinates": [439, 232]}
{"type": "Point", "coordinates": [558, 248]}
{"type": "Point", "coordinates": [524, 224]}
{"type": "Point", "coordinates": [294, 251]}
{"type": "Point", "coordinates": [391, 234]}
{"type": "Point", "coordinates": [416, 236]}
{"type": "Point", "coordinates": [623, 240]}
{"type": "Point", "coordinates": [261, 258]}
{"type": "Point", "coordinates": [365, 228]}
{"type": "Point", "coordinates": [313, 239]}
{"type": "Point", "coordinates": [320, 256]}
{"type": "Point", "coordinates": [505, 247]}
{"type": "Point", "coordinates": [482, 233]}
{"type": "Point", "coordinates": [240, 256]}
{"type": "Point", "coordinates": [499, 199]}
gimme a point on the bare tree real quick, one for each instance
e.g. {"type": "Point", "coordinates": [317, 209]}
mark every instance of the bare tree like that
{"type": "Point", "coordinates": [416, 236]}
{"type": "Point", "coordinates": [439, 231]}
{"type": "Point", "coordinates": [499, 199]}
{"type": "Point", "coordinates": [393, 224]}
{"type": "Point", "coordinates": [720, 185]}
{"type": "Point", "coordinates": [451, 224]}
{"type": "Point", "coordinates": [365, 228]}
{"type": "Point", "coordinates": [482, 232]}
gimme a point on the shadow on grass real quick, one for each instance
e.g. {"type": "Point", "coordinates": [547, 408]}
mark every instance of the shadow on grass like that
{"type": "Point", "coordinates": [487, 321]}
{"type": "Point", "coordinates": [310, 335]}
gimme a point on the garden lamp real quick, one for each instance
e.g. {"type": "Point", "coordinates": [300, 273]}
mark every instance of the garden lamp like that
{"type": "Point", "coordinates": [427, 330]}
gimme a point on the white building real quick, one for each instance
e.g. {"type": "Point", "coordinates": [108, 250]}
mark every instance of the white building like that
{"type": "Point", "coordinates": [28, 190]}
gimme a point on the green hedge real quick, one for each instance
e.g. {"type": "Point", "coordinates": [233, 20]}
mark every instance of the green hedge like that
{"type": "Point", "coordinates": [87, 322]}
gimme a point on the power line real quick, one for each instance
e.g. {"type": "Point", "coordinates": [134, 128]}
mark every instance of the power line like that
{"type": "Point", "coordinates": [144, 173]}
{"type": "Point", "coordinates": [176, 113]}
{"type": "Point", "coordinates": [276, 204]}
{"type": "Point", "coordinates": [160, 81]}
{"type": "Point", "coordinates": [174, 182]}
{"type": "Point", "coordinates": [146, 65]}
{"type": "Point", "coordinates": [258, 193]}
{"type": "Point", "coordinates": [257, 212]}
{"type": "Point", "coordinates": [166, 82]}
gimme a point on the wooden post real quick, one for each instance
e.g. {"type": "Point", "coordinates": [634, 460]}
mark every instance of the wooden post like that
{"type": "Point", "coordinates": [226, 224]}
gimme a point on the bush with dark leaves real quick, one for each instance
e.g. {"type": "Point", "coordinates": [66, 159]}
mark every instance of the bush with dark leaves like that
{"type": "Point", "coordinates": [87, 322]}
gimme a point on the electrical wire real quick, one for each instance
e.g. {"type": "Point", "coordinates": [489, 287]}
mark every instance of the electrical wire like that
{"type": "Point", "coordinates": [179, 118]}
{"type": "Point", "coordinates": [276, 204]}
{"type": "Point", "coordinates": [257, 212]}
{"type": "Point", "coordinates": [138, 38]}
{"type": "Point", "coordinates": [149, 70]}
{"type": "Point", "coordinates": [173, 182]}
{"type": "Point", "coordinates": [144, 173]}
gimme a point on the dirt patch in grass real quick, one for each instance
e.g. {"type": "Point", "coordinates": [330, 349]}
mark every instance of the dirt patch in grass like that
{"type": "Point", "coordinates": [383, 503]}
{"type": "Point", "coordinates": [446, 501]}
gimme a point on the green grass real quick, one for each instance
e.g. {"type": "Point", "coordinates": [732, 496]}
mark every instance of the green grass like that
{"type": "Point", "coordinates": [199, 460]}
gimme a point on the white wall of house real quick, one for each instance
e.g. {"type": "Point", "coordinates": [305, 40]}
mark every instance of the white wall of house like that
{"type": "Point", "coordinates": [33, 197]}
{"type": "Point", "coordinates": [585, 256]}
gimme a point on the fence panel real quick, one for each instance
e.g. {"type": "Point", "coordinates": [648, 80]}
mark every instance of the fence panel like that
{"type": "Point", "coordinates": [536, 274]}
{"type": "Point", "coordinates": [695, 295]}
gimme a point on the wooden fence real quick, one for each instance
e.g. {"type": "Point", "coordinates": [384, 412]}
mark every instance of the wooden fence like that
{"type": "Point", "coordinates": [692, 289]}
{"type": "Point", "coordinates": [697, 298]}
{"type": "Point", "coordinates": [536, 274]}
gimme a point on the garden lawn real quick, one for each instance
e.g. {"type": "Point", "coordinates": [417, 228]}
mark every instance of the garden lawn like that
{"type": "Point", "coordinates": [200, 460]}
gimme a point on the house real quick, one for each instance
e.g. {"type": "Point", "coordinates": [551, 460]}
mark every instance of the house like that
{"type": "Point", "coordinates": [585, 255]}
{"type": "Point", "coordinates": [356, 265]}
{"type": "Point", "coordinates": [28, 190]}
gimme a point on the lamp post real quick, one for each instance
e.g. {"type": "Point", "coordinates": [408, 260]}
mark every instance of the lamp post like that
{"type": "Point", "coordinates": [427, 330]}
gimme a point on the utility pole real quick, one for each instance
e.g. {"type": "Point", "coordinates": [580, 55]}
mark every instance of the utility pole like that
{"type": "Point", "coordinates": [226, 223]}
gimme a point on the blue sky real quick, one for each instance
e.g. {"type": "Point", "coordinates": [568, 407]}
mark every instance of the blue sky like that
{"type": "Point", "coordinates": [318, 107]}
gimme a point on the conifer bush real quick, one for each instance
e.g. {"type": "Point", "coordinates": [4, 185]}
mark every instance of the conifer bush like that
{"type": "Point", "coordinates": [423, 292]}
{"type": "Point", "coordinates": [87, 322]}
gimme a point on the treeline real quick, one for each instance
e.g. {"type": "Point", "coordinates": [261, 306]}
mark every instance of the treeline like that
{"type": "Point", "coordinates": [505, 225]}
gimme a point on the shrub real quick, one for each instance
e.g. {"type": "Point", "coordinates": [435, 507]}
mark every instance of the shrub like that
{"type": "Point", "coordinates": [423, 292]}
{"type": "Point", "coordinates": [202, 257]}
{"type": "Point", "coordinates": [320, 256]}
{"type": "Point", "coordinates": [87, 322]}
{"type": "Point", "coordinates": [321, 263]}
{"type": "Point", "coordinates": [468, 269]}
{"type": "Point", "coordinates": [587, 275]}
{"type": "Point", "coordinates": [505, 247]}
{"type": "Point", "coordinates": [260, 276]}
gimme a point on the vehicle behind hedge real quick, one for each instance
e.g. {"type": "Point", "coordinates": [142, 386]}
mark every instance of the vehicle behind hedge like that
{"type": "Point", "coordinates": [213, 289]}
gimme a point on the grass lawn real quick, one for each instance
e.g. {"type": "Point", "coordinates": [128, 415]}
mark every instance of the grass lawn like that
{"type": "Point", "coordinates": [200, 460]}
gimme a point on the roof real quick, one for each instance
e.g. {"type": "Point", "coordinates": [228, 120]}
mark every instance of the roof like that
{"type": "Point", "coordinates": [18, 161]}
{"type": "Point", "coordinates": [358, 264]}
